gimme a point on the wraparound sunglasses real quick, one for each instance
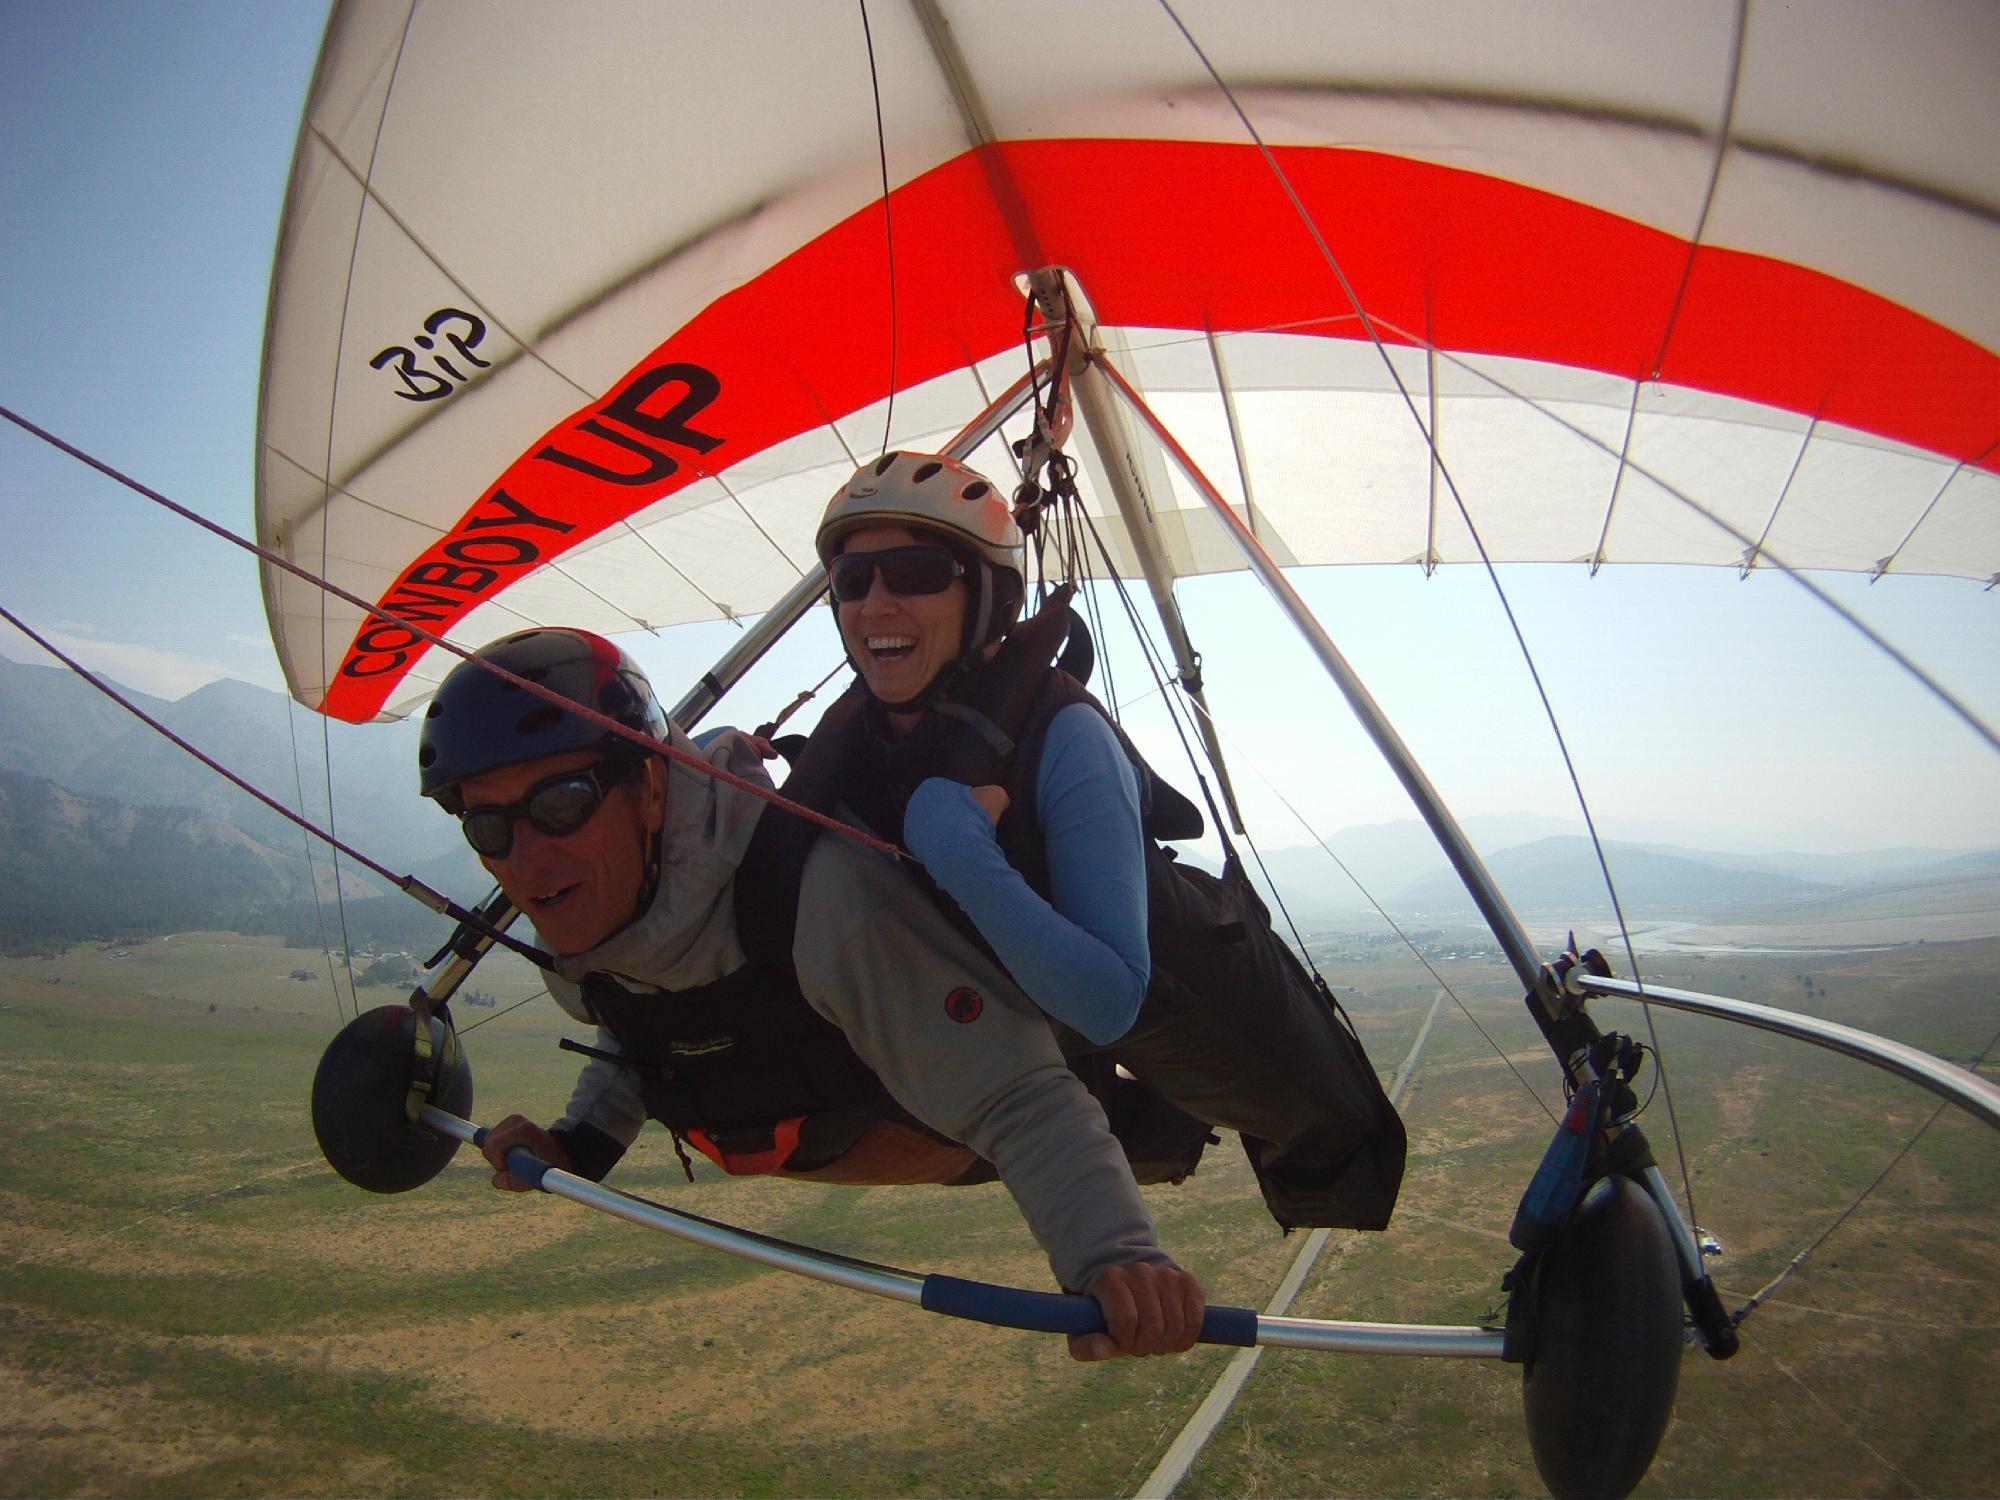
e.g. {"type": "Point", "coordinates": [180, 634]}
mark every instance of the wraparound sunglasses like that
{"type": "Point", "coordinates": [557, 807]}
{"type": "Point", "coordinates": [905, 570]}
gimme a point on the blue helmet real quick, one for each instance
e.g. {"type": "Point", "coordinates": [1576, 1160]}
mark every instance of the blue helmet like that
{"type": "Point", "coordinates": [479, 721]}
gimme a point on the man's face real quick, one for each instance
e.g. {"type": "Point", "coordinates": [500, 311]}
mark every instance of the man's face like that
{"type": "Point", "coordinates": [580, 887]}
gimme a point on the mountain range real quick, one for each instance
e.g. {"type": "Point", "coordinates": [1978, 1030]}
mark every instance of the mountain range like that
{"type": "Point", "coordinates": [107, 828]}
{"type": "Point", "coordinates": [54, 724]}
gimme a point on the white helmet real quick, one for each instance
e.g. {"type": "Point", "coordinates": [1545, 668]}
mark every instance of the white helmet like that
{"type": "Point", "coordinates": [927, 492]}
{"type": "Point", "coordinates": [924, 491]}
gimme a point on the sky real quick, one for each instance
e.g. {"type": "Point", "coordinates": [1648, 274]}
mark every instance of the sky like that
{"type": "Point", "coordinates": [144, 150]}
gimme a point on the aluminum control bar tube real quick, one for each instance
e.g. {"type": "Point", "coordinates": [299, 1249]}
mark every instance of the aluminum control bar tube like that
{"type": "Point", "coordinates": [1506, 927]}
{"type": "Point", "coordinates": [467, 946]}
{"type": "Point", "coordinates": [1947, 1080]}
{"type": "Point", "coordinates": [979, 1301]}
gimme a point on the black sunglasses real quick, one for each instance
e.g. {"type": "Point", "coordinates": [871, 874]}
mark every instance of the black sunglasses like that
{"type": "Point", "coordinates": [905, 570]}
{"type": "Point", "coordinates": [557, 807]}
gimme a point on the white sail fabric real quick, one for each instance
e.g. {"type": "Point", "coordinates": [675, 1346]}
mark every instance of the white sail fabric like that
{"type": "Point", "coordinates": [580, 313]}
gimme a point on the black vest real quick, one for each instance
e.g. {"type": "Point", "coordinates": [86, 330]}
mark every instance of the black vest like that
{"type": "Point", "coordinates": [744, 1067]}
{"type": "Point", "coordinates": [993, 732]}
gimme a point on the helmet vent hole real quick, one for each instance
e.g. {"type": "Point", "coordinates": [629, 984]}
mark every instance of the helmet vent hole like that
{"type": "Point", "coordinates": [924, 471]}
{"type": "Point", "coordinates": [882, 464]}
{"type": "Point", "coordinates": [535, 720]}
{"type": "Point", "coordinates": [425, 756]}
{"type": "Point", "coordinates": [434, 710]}
{"type": "Point", "coordinates": [977, 491]}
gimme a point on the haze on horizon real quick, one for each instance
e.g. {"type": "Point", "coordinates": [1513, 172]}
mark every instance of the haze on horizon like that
{"type": "Point", "coordinates": [1363, 805]}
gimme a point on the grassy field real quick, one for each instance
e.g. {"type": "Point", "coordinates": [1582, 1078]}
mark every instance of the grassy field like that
{"type": "Point", "coordinates": [192, 1303]}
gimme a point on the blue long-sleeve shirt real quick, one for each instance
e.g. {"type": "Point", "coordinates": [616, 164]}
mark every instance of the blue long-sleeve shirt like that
{"type": "Point", "coordinates": [1082, 956]}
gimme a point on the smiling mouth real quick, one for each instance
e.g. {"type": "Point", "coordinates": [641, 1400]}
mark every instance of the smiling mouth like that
{"type": "Point", "coordinates": [542, 902]}
{"type": "Point", "coordinates": [890, 647]}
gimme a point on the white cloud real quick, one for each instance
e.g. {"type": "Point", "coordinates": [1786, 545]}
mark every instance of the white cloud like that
{"type": "Point", "coordinates": [163, 674]}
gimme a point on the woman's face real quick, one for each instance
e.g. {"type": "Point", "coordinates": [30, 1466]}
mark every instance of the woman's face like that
{"type": "Point", "coordinates": [900, 642]}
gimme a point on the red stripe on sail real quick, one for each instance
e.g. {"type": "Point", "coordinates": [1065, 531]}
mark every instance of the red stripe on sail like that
{"type": "Point", "coordinates": [1194, 235]}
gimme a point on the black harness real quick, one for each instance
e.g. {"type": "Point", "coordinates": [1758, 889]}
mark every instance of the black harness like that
{"type": "Point", "coordinates": [744, 1068]}
{"type": "Point", "coordinates": [1232, 1031]}
{"type": "Point", "coordinates": [991, 733]}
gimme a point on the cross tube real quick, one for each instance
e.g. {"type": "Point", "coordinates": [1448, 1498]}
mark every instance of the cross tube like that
{"type": "Point", "coordinates": [782, 616]}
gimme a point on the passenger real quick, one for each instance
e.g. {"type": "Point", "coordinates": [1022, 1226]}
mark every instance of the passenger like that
{"type": "Point", "coordinates": [880, 1046]}
{"type": "Point", "coordinates": [1028, 809]}
{"type": "Point", "coordinates": [925, 563]}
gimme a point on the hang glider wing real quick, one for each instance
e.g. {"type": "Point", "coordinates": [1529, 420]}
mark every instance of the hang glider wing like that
{"type": "Point", "coordinates": [580, 314]}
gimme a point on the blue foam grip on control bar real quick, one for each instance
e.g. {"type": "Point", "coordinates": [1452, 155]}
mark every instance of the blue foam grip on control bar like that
{"type": "Point", "coordinates": [527, 1166]}
{"type": "Point", "coordinates": [1055, 1312]}
{"type": "Point", "coordinates": [522, 1162]}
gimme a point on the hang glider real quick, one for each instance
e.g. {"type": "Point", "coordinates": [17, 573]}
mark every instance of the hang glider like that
{"type": "Point", "coordinates": [579, 316]}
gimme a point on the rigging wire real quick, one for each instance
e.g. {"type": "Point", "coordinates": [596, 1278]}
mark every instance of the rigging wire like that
{"type": "Point", "coordinates": [1799, 1261]}
{"type": "Point", "coordinates": [365, 183]}
{"type": "Point", "coordinates": [1155, 661]}
{"type": "Point", "coordinates": [664, 748]}
{"type": "Point", "coordinates": [1367, 323]}
{"type": "Point", "coordinates": [1688, 261]}
{"type": "Point", "coordinates": [475, 1025]}
{"type": "Point", "coordinates": [312, 872]}
{"type": "Point", "coordinates": [1751, 545]}
{"type": "Point", "coordinates": [1044, 445]}
{"type": "Point", "coordinates": [1382, 912]}
{"type": "Point", "coordinates": [73, 1243]}
{"type": "Point", "coordinates": [1156, 664]}
{"type": "Point", "coordinates": [888, 217]}
{"type": "Point", "coordinates": [555, 566]}
{"type": "Point", "coordinates": [799, 701]}
{"type": "Point", "coordinates": [1071, 519]}
{"type": "Point", "coordinates": [1835, 1413]}
{"type": "Point", "coordinates": [1755, 553]}
{"type": "Point", "coordinates": [408, 884]}
{"type": "Point", "coordinates": [1355, 880]}
{"type": "Point", "coordinates": [1074, 561]}
{"type": "Point", "coordinates": [339, 896]}
{"type": "Point", "coordinates": [338, 365]}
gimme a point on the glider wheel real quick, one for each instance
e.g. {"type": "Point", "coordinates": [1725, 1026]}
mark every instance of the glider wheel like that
{"type": "Point", "coordinates": [361, 1100]}
{"type": "Point", "coordinates": [1605, 1351]}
